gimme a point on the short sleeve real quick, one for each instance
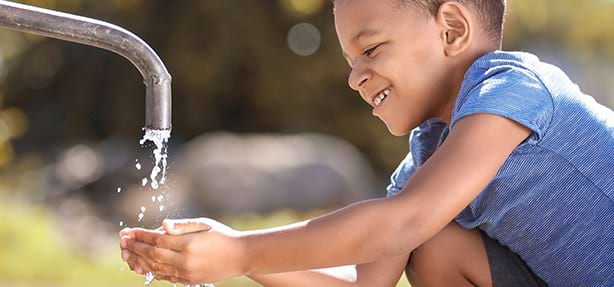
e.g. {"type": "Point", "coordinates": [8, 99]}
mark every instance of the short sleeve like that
{"type": "Point", "coordinates": [400, 176]}
{"type": "Point", "coordinates": [511, 92]}
{"type": "Point", "coordinates": [423, 142]}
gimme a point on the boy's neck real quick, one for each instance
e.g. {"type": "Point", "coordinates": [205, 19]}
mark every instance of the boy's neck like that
{"type": "Point", "coordinates": [457, 76]}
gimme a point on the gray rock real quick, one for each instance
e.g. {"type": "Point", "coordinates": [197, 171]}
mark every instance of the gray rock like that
{"type": "Point", "coordinates": [224, 172]}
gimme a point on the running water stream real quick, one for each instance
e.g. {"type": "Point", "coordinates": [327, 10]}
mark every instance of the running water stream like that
{"type": "Point", "coordinates": [157, 177]}
{"type": "Point", "coordinates": [160, 139]}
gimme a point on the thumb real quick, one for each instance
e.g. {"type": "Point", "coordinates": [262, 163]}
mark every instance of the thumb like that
{"type": "Point", "coordinates": [183, 226]}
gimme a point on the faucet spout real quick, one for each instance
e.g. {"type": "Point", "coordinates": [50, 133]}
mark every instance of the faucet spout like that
{"type": "Point", "coordinates": [87, 31]}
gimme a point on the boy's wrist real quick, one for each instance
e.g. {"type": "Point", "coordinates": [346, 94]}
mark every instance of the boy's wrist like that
{"type": "Point", "coordinates": [243, 256]}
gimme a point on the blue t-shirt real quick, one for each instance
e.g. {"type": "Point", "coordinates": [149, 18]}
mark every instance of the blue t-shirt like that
{"type": "Point", "coordinates": [552, 201]}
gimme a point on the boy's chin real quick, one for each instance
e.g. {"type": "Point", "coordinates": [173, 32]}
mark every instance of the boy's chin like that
{"type": "Point", "coordinates": [397, 130]}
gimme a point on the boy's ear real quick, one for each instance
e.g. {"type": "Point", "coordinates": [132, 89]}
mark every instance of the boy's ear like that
{"type": "Point", "coordinates": [457, 27]}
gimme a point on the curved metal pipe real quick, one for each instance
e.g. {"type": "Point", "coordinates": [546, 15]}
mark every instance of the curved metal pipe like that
{"type": "Point", "coordinates": [103, 35]}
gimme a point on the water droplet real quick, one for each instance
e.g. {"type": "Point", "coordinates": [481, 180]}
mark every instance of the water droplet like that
{"type": "Point", "coordinates": [149, 278]}
{"type": "Point", "coordinates": [138, 166]}
{"type": "Point", "coordinates": [160, 198]}
{"type": "Point", "coordinates": [154, 173]}
{"type": "Point", "coordinates": [153, 199]}
{"type": "Point", "coordinates": [119, 189]}
{"type": "Point", "coordinates": [144, 181]}
{"type": "Point", "coordinates": [143, 208]}
{"type": "Point", "coordinates": [161, 208]}
{"type": "Point", "coordinates": [140, 217]}
{"type": "Point", "coordinates": [121, 223]}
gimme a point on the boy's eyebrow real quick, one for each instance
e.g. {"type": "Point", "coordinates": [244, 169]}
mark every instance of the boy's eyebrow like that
{"type": "Point", "coordinates": [362, 33]}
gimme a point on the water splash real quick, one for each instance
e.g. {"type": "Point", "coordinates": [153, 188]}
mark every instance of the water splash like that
{"type": "Point", "coordinates": [158, 173]}
{"type": "Point", "coordinates": [149, 278]}
{"type": "Point", "coordinates": [160, 140]}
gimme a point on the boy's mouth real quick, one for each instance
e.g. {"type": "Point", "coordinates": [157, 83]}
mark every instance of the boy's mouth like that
{"type": "Point", "coordinates": [379, 97]}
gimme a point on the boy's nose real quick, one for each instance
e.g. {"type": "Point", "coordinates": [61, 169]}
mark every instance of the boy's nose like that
{"type": "Point", "coordinates": [358, 78]}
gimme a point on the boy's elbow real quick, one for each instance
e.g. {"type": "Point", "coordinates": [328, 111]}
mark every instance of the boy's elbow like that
{"type": "Point", "coordinates": [406, 226]}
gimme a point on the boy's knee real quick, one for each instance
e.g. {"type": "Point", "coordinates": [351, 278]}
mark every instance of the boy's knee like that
{"type": "Point", "coordinates": [453, 257]}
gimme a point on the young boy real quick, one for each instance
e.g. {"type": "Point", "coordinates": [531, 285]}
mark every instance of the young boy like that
{"type": "Point", "coordinates": [509, 180]}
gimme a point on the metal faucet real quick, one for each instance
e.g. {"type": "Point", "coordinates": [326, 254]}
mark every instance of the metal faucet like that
{"type": "Point", "coordinates": [103, 35]}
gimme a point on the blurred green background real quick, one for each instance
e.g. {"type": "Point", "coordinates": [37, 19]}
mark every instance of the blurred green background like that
{"type": "Point", "coordinates": [265, 130]}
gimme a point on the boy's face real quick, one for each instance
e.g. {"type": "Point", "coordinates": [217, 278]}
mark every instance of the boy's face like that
{"type": "Point", "coordinates": [397, 61]}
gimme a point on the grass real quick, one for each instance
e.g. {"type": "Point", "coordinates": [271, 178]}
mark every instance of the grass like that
{"type": "Point", "coordinates": [34, 253]}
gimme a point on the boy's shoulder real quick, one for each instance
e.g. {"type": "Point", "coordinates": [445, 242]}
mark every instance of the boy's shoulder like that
{"type": "Point", "coordinates": [503, 65]}
{"type": "Point", "coordinates": [500, 57]}
{"type": "Point", "coordinates": [508, 84]}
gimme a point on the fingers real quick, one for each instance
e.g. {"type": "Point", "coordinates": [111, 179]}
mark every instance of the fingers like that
{"type": "Point", "coordinates": [142, 265]}
{"type": "Point", "coordinates": [165, 270]}
{"type": "Point", "coordinates": [135, 263]}
{"type": "Point", "coordinates": [152, 253]}
{"type": "Point", "coordinates": [174, 226]}
{"type": "Point", "coordinates": [167, 278]}
{"type": "Point", "coordinates": [157, 238]}
{"type": "Point", "coordinates": [171, 279]}
{"type": "Point", "coordinates": [160, 269]}
{"type": "Point", "coordinates": [182, 226]}
{"type": "Point", "coordinates": [125, 232]}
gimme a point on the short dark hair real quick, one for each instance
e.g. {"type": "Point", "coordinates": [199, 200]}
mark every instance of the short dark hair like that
{"type": "Point", "coordinates": [491, 13]}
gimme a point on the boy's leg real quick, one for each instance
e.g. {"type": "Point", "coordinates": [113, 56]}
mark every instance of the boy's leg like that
{"type": "Point", "coordinates": [453, 257]}
{"type": "Point", "coordinates": [459, 257]}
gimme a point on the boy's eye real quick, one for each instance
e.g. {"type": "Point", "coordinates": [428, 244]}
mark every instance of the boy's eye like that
{"type": "Point", "coordinates": [369, 52]}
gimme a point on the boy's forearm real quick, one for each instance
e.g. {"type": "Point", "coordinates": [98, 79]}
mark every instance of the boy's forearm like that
{"type": "Point", "coordinates": [344, 276]}
{"type": "Point", "coordinates": [362, 232]}
{"type": "Point", "coordinates": [383, 273]}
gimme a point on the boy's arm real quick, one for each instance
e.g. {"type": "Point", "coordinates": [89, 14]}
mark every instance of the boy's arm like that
{"type": "Point", "coordinates": [385, 272]}
{"type": "Point", "coordinates": [470, 157]}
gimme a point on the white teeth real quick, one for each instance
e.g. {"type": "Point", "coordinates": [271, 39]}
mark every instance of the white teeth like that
{"type": "Point", "coordinates": [377, 100]}
{"type": "Point", "coordinates": [380, 97]}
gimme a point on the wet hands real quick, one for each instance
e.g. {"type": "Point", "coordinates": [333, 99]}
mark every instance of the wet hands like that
{"type": "Point", "coordinates": [188, 251]}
